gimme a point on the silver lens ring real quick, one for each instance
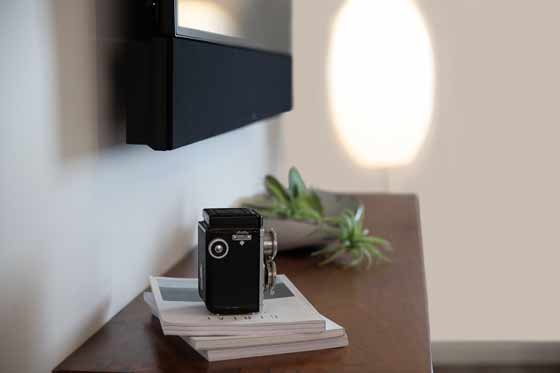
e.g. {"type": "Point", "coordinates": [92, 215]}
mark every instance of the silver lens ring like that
{"type": "Point", "coordinates": [218, 255]}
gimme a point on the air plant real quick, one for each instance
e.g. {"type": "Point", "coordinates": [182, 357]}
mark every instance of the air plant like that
{"type": "Point", "coordinates": [354, 244]}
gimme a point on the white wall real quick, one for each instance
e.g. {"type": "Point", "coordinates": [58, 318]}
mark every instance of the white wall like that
{"type": "Point", "coordinates": [488, 176]}
{"type": "Point", "coordinates": [84, 219]}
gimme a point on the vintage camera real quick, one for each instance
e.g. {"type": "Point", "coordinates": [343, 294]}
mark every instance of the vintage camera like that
{"type": "Point", "coordinates": [235, 260]}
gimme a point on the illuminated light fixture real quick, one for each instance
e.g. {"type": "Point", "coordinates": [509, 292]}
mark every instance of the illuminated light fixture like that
{"type": "Point", "coordinates": [206, 16]}
{"type": "Point", "coordinates": [381, 81]}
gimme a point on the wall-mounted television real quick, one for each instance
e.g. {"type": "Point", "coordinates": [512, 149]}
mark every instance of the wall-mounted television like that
{"type": "Point", "coordinates": [205, 67]}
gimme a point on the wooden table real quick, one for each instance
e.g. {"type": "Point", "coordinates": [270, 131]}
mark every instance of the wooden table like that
{"type": "Point", "coordinates": [384, 311]}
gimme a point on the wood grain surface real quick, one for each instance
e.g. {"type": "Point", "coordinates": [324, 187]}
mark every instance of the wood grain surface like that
{"type": "Point", "coordinates": [384, 311]}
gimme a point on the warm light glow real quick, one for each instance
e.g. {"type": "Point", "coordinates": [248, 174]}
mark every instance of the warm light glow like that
{"type": "Point", "coordinates": [206, 16]}
{"type": "Point", "coordinates": [381, 81]}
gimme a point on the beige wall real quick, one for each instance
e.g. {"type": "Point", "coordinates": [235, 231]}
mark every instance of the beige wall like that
{"type": "Point", "coordinates": [487, 175]}
{"type": "Point", "coordinates": [85, 219]}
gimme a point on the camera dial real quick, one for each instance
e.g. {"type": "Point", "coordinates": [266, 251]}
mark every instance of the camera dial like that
{"type": "Point", "coordinates": [270, 249]}
{"type": "Point", "coordinates": [218, 248]}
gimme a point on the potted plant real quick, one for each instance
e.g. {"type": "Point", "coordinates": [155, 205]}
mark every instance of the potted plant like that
{"type": "Point", "coordinates": [305, 216]}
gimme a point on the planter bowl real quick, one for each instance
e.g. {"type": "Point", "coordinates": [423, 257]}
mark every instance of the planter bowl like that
{"type": "Point", "coordinates": [294, 234]}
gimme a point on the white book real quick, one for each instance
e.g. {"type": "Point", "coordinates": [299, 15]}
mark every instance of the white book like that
{"type": "Point", "coordinates": [228, 348]}
{"type": "Point", "coordinates": [182, 312]}
{"type": "Point", "coordinates": [332, 330]}
{"type": "Point", "coordinates": [284, 348]}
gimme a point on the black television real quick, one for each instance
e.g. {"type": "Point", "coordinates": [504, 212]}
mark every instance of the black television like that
{"type": "Point", "coordinates": [205, 67]}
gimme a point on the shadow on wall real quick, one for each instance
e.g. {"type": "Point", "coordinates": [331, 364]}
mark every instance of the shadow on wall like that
{"type": "Point", "coordinates": [90, 55]}
{"type": "Point", "coordinates": [94, 70]}
{"type": "Point", "coordinates": [76, 78]}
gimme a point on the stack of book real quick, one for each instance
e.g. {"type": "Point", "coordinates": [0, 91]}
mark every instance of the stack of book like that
{"type": "Point", "coordinates": [288, 322]}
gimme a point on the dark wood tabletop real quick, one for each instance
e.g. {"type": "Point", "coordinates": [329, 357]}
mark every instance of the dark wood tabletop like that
{"type": "Point", "coordinates": [384, 311]}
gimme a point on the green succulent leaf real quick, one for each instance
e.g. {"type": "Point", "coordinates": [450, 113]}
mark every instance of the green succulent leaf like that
{"type": "Point", "coordinates": [315, 201]}
{"type": "Point", "coordinates": [381, 242]}
{"type": "Point", "coordinates": [325, 250]}
{"type": "Point", "coordinates": [296, 185]}
{"type": "Point", "coordinates": [331, 257]}
{"type": "Point", "coordinates": [358, 257]}
{"type": "Point", "coordinates": [276, 190]}
{"type": "Point", "coordinates": [368, 257]}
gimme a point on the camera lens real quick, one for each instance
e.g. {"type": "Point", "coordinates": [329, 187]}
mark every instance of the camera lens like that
{"type": "Point", "coordinates": [218, 248]}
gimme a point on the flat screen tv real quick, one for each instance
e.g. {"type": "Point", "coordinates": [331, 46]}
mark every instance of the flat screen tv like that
{"type": "Point", "coordinates": [205, 67]}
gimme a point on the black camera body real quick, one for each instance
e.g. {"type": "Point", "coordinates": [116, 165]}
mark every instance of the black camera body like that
{"type": "Point", "coordinates": [235, 260]}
